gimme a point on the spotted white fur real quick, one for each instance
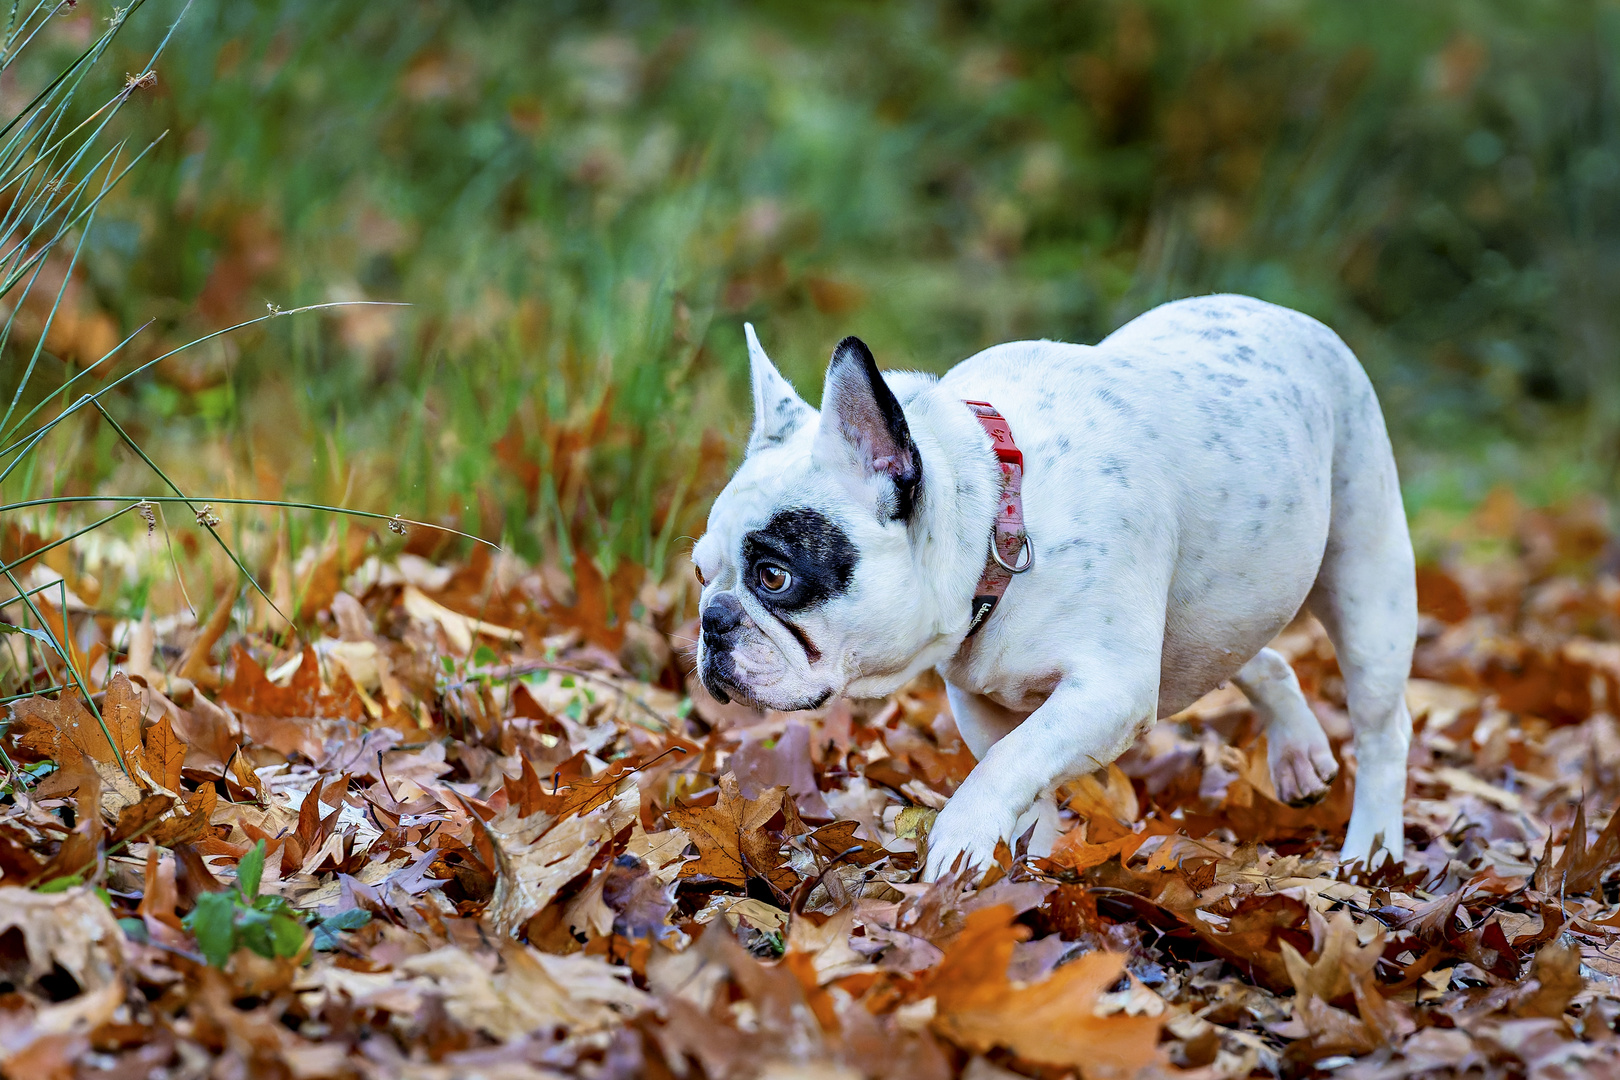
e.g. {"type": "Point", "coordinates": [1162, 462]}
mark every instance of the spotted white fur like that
{"type": "Point", "coordinates": [1190, 483]}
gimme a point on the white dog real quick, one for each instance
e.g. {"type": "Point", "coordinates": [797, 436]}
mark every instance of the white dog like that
{"type": "Point", "coordinates": [1187, 485]}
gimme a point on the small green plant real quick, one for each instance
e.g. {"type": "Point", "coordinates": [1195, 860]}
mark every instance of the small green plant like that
{"type": "Point", "coordinates": [239, 917]}
{"type": "Point", "coordinates": [326, 931]}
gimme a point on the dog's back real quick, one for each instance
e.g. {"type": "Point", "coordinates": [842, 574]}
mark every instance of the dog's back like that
{"type": "Point", "coordinates": [1192, 455]}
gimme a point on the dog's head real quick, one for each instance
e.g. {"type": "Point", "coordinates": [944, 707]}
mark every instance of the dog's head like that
{"type": "Point", "coordinates": [809, 581]}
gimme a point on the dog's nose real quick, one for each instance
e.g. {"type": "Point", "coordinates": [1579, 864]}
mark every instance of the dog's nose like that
{"type": "Point", "coordinates": [723, 615]}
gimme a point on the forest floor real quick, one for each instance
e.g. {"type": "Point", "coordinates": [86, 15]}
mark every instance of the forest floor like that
{"type": "Point", "coordinates": [481, 822]}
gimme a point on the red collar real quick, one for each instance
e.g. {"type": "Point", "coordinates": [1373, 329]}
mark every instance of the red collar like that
{"type": "Point", "coordinates": [1010, 550]}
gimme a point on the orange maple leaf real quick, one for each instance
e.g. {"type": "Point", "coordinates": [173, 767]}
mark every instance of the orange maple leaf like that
{"type": "Point", "coordinates": [1053, 1022]}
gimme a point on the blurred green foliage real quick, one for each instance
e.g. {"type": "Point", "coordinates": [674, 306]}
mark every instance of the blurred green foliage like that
{"type": "Point", "coordinates": [582, 202]}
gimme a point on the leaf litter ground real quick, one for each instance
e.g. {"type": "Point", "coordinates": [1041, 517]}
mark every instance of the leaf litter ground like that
{"type": "Point", "coordinates": [452, 835]}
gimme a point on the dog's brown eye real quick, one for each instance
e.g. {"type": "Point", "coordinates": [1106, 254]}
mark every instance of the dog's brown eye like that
{"type": "Point", "coordinates": [774, 579]}
{"type": "Point", "coordinates": [698, 570]}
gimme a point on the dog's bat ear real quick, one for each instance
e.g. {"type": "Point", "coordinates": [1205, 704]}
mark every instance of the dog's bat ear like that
{"type": "Point", "coordinates": [779, 411]}
{"type": "Point", "coordinates": [860, 417]}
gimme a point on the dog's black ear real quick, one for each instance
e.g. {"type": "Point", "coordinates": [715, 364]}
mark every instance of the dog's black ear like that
{"type": "Point", "coordinates": [861, 421]}
{"type": "Point", "coordinates": [779, 411]}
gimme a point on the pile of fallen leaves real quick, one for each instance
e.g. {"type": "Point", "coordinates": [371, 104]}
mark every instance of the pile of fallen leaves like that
{"type": "Point", "coordinates": [483, 823]}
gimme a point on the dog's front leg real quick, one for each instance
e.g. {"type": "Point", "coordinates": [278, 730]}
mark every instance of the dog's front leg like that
{"type": "Point", "coordinates": [1086, 723]}
{"type": "Point", "coordinates": [982, 723]}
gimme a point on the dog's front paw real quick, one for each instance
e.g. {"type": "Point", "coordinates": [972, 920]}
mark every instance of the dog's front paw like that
{"type": "Point", "coordinates": [1302, 771]}
{"type": "Point", "coordinates": [968, 829]}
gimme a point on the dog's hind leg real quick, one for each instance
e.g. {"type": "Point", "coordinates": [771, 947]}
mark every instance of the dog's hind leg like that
{"type": "Point", "coordinates": [1297, 748]}
{"type": "Point", "coordinates": [1366, 597]}
{"type": "Point", "coordinates": [982, 723]}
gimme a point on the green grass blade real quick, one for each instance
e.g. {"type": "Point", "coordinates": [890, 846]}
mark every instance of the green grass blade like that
{"type": "Point", "coordinates": [133, 445]}
{"type": "Point", "coordinates": [134, 500]}
{"type": "Point", "coordinates": [6, 433]}
{"type": "Point", "coordinates": [33, 437]}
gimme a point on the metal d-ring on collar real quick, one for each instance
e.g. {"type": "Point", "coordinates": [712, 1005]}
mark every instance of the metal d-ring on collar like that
{"type": "Point", "coordinates": [1009, 519]}
{"type": "Point", "coordinates": [1027, 549]}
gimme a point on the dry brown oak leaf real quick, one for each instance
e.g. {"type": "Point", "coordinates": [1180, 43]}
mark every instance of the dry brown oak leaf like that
{"type": "Point", "coordinates": [165, 754]}
{"type": "Point", "coordinates": [584, 794]}
{"type": "Point", "coordinates": [731, 841]}
{"type": "Point", "coordinates": [1341, 960]}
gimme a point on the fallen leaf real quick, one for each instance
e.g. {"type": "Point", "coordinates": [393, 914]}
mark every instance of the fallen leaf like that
{"type": "Point", "coordinates": [458, 628]}
{"type": "Point", "coordinates": [122, 711]}
{"type": "Point", "coordinates": [784, 763]}
{"type": "Point", "coordinates": [826, 946]}
{"type": "Point", "coordinates": [56, 1037]}
{"type": "Point", "coordinates": [72, 928]}
{"type": "Point", "coordinates": [251, 691]}
{"type": "Point", "coordinates": [731, 846]}
{"type": "Point", "coordinates": [60, 728]}
{"type": "Point", "coordinates": [1555, 980]}
{"type": "Point", "coordinates": [1052, 1022]}
{"type": "Point", "coordinates": [186, 828]}
{"type": "Point", "coordinates": [136, 819]}
{"type": "Point", "coordinates": [165, 754]}
{"type": "Point", "coordinates": [1110, 798]}
{"type": "Point", "coordinates": [584, 794]}
{"type": "Point", "coordinates": [838, 841]}
{"type": "Point", "coordinates": [639, 903]}
{"type": "Point", "coordinates": [536, 856]}
{"type": "Point", "coordinates": [1340, 961]}
{"type": "Point", "coordinates": [242, 777]}
{"type": "Point", "coordinates": [661, 851]}
{"type": "Point", "coordinates": [530, 993]}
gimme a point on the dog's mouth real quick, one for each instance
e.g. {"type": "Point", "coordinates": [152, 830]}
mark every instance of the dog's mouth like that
{"type": "Point", "coordinates": [725, 691]}
{"type": "Point", "coordinates": [720, 680]}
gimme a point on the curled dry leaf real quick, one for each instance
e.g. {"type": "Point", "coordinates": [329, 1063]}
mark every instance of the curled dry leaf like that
{"type": "Point", "coordinates": [45, 1043]}
{"type": "Point", "coordinates": [72, 928]}
{"type": "Point", "coordinates": [536, 856]}
{"type": "Point", "coordinates": [1555, 980]}
{"type": "Point", "coordinates": [528, 993]}
{"type": "Point", "coordinates": [137, 819]}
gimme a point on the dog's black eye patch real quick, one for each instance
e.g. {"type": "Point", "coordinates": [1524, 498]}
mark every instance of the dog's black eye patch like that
{"type": "Point", "coordinates": [814, 551]}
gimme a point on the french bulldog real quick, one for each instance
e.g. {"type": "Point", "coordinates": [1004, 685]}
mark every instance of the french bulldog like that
{"type": "Point", "coordinates": [1187, 486]}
